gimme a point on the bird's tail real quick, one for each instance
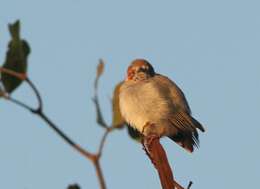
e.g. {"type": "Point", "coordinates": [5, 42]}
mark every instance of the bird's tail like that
{"type": "Point", "coordinates": [187, 135]}
{"type": "Point", "coordinates": [187, 142]}
{"type": "Point", "coordinates": [197, 124]}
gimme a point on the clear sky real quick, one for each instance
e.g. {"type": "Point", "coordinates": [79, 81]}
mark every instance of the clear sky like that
{"type": "Point", "coordinates": [209, 48]}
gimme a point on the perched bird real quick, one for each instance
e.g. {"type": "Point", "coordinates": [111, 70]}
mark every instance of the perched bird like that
{"type": "Point", "coordinates": [153, 104]}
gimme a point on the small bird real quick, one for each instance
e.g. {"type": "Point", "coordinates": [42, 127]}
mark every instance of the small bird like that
{"type": "Point", "coordinates": [154, 105]}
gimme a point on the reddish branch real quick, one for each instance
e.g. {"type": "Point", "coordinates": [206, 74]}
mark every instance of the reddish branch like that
{"type": "Point", "coordinates": [158, 157]}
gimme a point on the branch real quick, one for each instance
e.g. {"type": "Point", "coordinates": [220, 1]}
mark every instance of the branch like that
{"type": "Point", "coordinates": [38, 111]}
{"type": "Point", "coordinates": [68, 140]}
{"type": "Point", "coordinates": [189, 186]}
{"type": "Point", "coordinates": [99, 174]}
{"type": "Point", "coordinates": [18, 103]}
{"type": "Point", "coordinates": [100, 119]}
{"type": "Point", "coordinates": [158, 157]}
{"type": "Point", "coordinates": [36, 92]}
{"type": "Point", "coordinates": [102, 143]}
{"type": "Point", "coordinates": [94, 158]}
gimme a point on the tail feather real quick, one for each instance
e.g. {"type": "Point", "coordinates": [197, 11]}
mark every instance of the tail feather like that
{"type": "Point", "coordinates": [187, 141]}
{"type": "Point", "coordinates": [197, 124]}
{"type": "Point", "coordinates": [187, 135]}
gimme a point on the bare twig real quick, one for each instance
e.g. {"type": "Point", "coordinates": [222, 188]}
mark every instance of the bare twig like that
{"type": "Point", "coordinates": [19, 103]}
{"type": "Point", "coordinates": [189, 186]}
{"type": "Point", "coordinates": [100, 119]}
{"type": "Point", "coordinates": [38, 111]}
{"type": "Point", "coordinates": [100, 174]}
{"type": "Point", "coordinates": [64, 136]}
{"type": "Point", "coordinates": [102, 143]}
{"type": "Point", "coordinates": [36, 92]}
{"type": "Point", "coordinates": [94, 158]}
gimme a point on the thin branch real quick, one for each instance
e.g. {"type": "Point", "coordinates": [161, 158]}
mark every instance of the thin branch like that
{"type": "Point", "coordinates": [63, 135]}
{"type": "Point", "coordinates": [100, 119]}
{"type": "Point", "coordinates": [19, 103]}
{"type": "Point", "coordinates": [94, 158]}
{"type": "Point", "coordinates": [36, 92]}
{"type": "Point", "coordinates": [51, 125]}
{"type": "Point", "coordinates": [102, 143]}
{"type": "Point", "coordinates": [39, 112]}
{"type": "Point", "coordinates": [100, 174]}
{"type": "Point", "coordinates": [189, 186]}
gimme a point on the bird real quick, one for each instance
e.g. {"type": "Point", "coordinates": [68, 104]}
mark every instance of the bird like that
{"type": "Point", "coordinates": [153, 104]}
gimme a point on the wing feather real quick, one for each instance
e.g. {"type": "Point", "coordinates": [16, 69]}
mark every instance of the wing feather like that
{"type": "Point", "coordinates": [178, 97]}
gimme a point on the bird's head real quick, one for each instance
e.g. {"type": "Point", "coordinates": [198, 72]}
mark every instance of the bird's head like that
{"type": "Point", "coordinates": [139, 69]}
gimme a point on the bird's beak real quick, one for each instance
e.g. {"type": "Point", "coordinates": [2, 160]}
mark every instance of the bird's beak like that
{"type": "Point", "coordinates": [129, 76]}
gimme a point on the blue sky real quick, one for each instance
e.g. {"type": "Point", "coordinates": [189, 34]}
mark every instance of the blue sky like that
{"type": "Point", "coordinates": [209, 48]}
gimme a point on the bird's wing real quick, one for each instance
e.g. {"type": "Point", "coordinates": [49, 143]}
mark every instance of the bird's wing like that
{"type": "Point", "coordinates": [187, 134]}
{"type": "Point", "coordinates": [178, 98]}
{"type": "Point", "coordinates": [182, 114]}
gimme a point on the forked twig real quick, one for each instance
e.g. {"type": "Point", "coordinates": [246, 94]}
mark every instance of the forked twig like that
{"type": "Point", "coordinates": [93, 157]}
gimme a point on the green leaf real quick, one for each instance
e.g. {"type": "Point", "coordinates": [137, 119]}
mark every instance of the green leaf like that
{"type": "Point", "coordinates": [134, 134]}
{"type": "Point", "coordinates": [118, 120]}
{"type": "Point", "coordinates": [16, 58]}
{"type": "Point", "coordinates": [14, 30]}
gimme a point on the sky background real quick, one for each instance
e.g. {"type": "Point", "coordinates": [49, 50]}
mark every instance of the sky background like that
{"type": "Point", "coordinates": [209, 48]}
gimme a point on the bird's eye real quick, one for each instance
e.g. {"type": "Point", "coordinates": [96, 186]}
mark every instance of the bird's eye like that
{"type": "Point", "coordinates": [142, 69]}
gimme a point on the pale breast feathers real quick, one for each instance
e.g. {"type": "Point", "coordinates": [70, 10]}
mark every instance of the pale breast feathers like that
{"type": "Point", "coordinates": [144, 102]}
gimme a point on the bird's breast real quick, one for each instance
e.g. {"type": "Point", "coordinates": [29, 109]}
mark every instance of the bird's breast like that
{"type": "Point", "coordinates": [144, 102]}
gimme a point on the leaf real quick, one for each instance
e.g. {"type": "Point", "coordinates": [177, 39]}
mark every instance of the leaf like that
{"type": "Point", "coordinates": [133, 133]}
{"type": "Point", "coordinates": [118, 120]}
{"type": "Point", "coordinates": [74, 186]}
{"type": "Point", "coordinates": [16, 58]}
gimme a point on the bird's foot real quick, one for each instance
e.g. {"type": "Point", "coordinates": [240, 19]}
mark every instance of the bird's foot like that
{"type": "Point", "coordinates": [148, 135]}
{"type": "Point", "coordinates": [148, 124]}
